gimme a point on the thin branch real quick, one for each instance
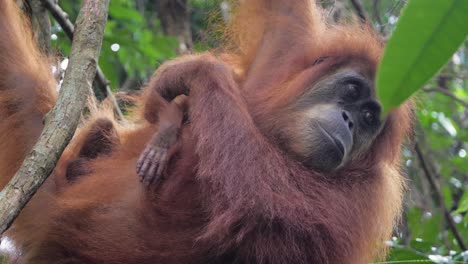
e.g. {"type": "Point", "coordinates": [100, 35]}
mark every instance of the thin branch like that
{"type": "Point", "coordinates": [175, 21]}
{"type": "Point", "coordinates": [361, 12]}
{"type": "Point", "coordinates": [376, 11]}
{"type": "Point", "coordinates": [62, 18]}
{"type": "Point", "coordinates": [447, 93]}
{"type": "Point", "coordinates": [103, 82]}
{"type": "Point", "coordinates": [41, 24]}
{"type": "Point", "coordinates": [462, 76]}
{"type": "Point", "coordinates": [435, 188]}
{"type": "Point", "coordinates": [377, 17]}
{"type": "Point", "coordinates": [63, 119]}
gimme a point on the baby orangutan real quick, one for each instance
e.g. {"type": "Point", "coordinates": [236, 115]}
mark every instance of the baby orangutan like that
{"type": "Point", "coordinates": [153, 161]}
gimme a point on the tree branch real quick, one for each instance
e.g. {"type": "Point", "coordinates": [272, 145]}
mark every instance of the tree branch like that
{"type": "Point", "coordinates": [41, 24]}
{"type": "Point", "coordinates": [435, 189]}
{"type": "Point", "coordinates": [175, 21]}
{"type": "Point", "coordinates": [361, 12]}
{"type": "Point", "coordinates": [62, 18]}
{"type": "Point", "coordinates": [63, 119]}
{"type": "Point", "coordinates": [448, 93]}
{"type": "Point", "coordinates": [377, 17]}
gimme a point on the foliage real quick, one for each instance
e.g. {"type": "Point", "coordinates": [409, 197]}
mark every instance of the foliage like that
{"type": "Point", "coordinates": [133, 45]}
{"type": "Point", "coordinates": [426, 36]}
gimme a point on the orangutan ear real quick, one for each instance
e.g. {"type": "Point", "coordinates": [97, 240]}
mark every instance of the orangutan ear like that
{"type": "Point", "coordinates": [100, 140]}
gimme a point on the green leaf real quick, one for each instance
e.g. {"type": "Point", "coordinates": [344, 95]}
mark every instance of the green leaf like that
{"type": "Point", "coordinates": [426, 228]}
{"type": "Point", "coordinates": [126, 14]}
{"type": "Point", "coordinates": [463, 207]}
{"type": "Point", "coordinates": [427, 34]}
{"type": "Point", "coordinates": [406, 254]}
{"type": "Point", "coordinates": [447, 196]}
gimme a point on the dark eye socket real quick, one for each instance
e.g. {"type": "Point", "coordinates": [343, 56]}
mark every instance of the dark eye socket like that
{"type": "Point", "coordinates": [369, 117]}
{"type": "Point", "coordinates": [371, 114]}
{"type": "Point", "coordinates": [352, 91]}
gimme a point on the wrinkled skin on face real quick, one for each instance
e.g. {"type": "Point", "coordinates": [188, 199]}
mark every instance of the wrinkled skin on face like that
{"type": "Point", "coordinates": [336, 121]}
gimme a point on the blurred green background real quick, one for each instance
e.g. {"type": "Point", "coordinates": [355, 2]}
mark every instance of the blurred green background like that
{"type": "Point", "coordinates": [141, 34]}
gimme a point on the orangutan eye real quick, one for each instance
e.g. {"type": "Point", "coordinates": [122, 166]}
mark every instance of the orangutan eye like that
{"type": "Point", "coordinates": [371, 118]}
{"type": "Point", "coordinates": [368, 117]}
{"type": "Point", "coordinates": [352, 92]}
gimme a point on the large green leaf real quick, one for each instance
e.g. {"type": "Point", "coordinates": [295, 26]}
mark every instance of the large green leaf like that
{"type": "Point", "coordinates": [427, 34]}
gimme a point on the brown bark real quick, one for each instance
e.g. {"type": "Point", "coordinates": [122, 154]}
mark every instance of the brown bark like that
{"type": "Point", "coordinates": [41, 24]}
{"type": "Point", "coordinates": [62, 18]}
{"type": "Point", "coordinates": [63, 119]}
{"type": "Point", "coordinates": [175, 20]}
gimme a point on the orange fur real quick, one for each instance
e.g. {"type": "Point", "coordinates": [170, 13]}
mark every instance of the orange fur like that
{"type": "Point", "coordinates": [231, 196]}
{"type": "Point", "coordinates": [27, 90]}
